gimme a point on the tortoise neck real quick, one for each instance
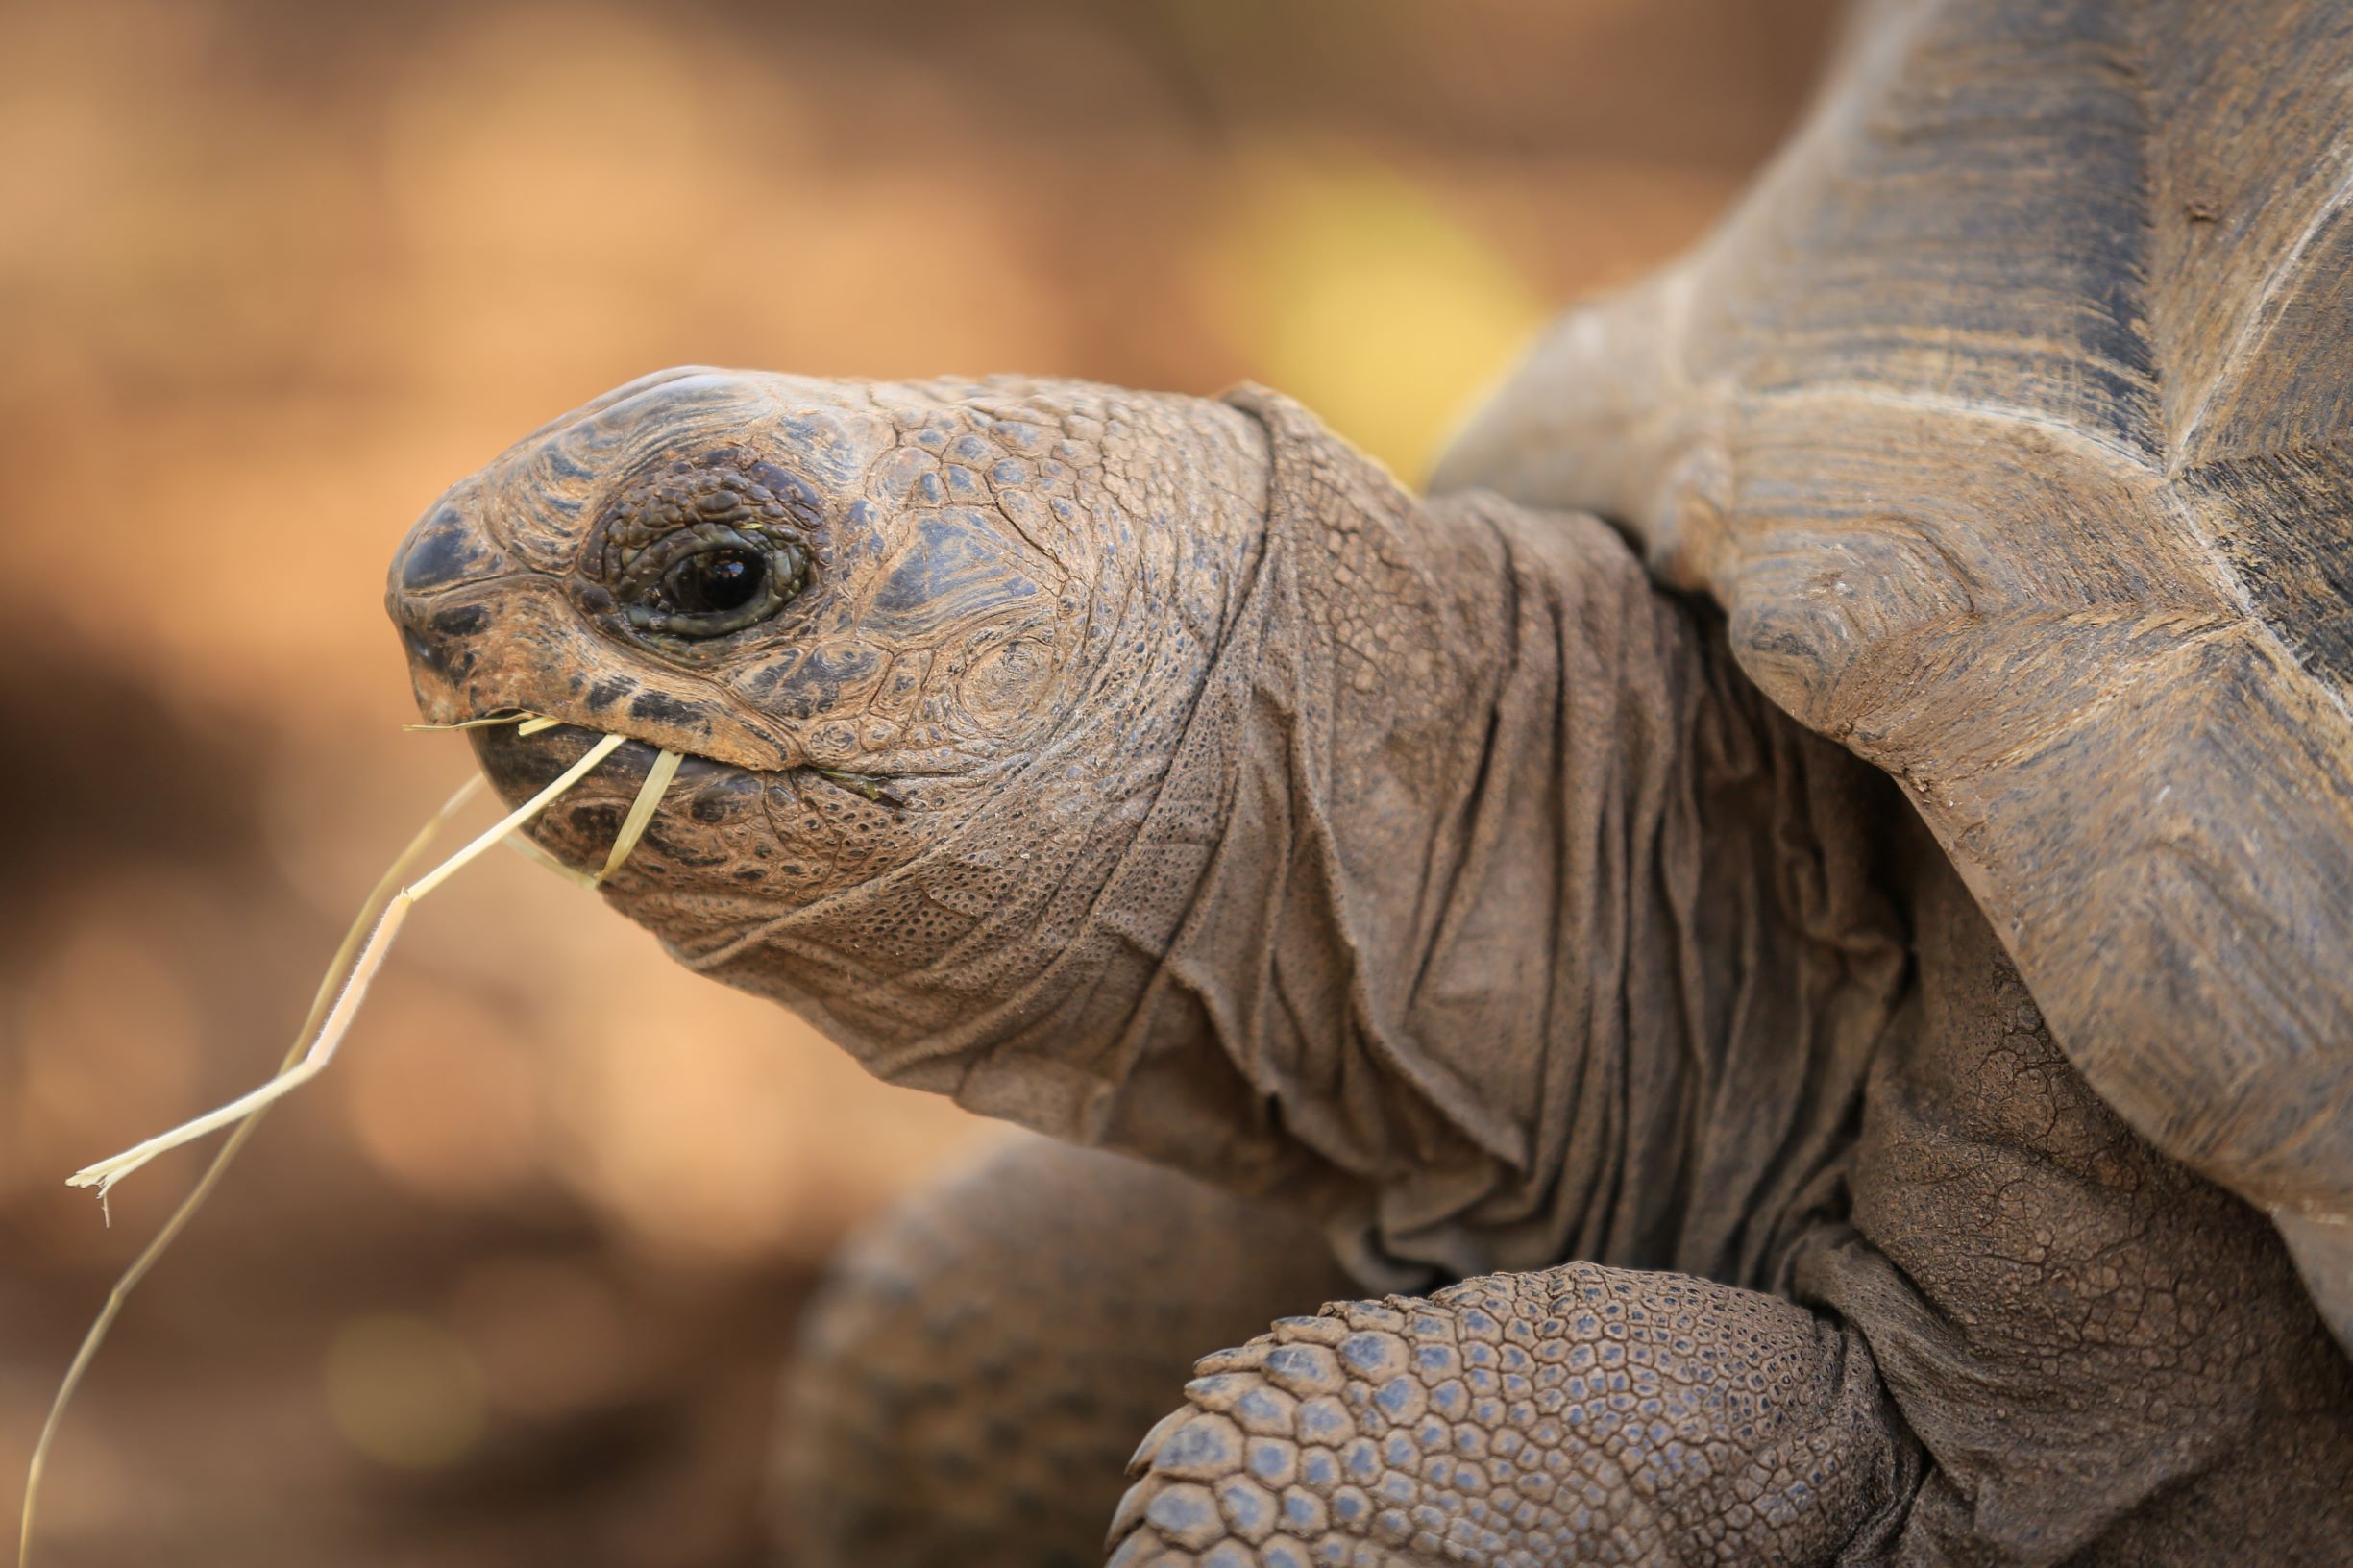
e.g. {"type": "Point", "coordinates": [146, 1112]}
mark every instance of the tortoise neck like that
{"type": "Point", "coordinates": [1530, 931]}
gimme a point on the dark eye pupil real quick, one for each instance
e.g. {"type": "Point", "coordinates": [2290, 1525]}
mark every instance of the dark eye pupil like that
{"type": "Point", "coordinates": [721, 580]}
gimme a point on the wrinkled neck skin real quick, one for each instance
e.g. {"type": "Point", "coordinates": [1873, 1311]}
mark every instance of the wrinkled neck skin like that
{"type": "Point", "coordinates": [1442, 877]}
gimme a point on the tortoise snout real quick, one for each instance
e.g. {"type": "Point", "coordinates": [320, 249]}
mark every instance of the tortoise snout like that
{"type": "Point", "coordinates": [435, 594]}
{"type": "Point", "coordinates": [443, 645]}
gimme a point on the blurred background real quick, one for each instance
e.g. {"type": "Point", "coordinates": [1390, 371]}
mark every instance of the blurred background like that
{"type": "Point", "coordinates": [513, 1284]}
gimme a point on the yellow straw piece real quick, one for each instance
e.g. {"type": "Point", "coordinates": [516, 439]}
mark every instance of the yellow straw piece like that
{"type": "Point", "coordinates": [106, 1172]}
{"type": "Point", "coordinates": [632, 828]}
{"type": "Point", "coordinates": [640, 810]}
{"type": "Point", "coordinates": [371, 911]}
{"type": "Point", "coordinates": [522, 814]}
{"type": "Point", "coordinates": [536, 722]}
{"type": "Point", "coordinates": [331, 1010]}
{"type": "Point", "coordinates": [522, 844]}
{"type": "Point", "coordinates": [492, 721]}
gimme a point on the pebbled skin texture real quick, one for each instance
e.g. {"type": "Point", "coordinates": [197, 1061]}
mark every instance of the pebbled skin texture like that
{"type": "Point", "coordinates": [1576, 1414]}
{"type": "Point", "coordinates": [1421, 868]}
{"type": "Point", "coordinates": [970, 1383]}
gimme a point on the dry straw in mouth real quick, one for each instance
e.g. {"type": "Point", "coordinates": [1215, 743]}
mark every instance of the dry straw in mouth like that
{"type": "Point", "coordinates": [331, 1010]}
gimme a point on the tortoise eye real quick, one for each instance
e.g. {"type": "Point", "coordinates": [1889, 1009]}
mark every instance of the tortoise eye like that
{"type": "Point", "coordinates": [700, 549]}
{"type": "Point", "coordinates": [716, 581]}
{"type": "Point", "coordinates": [710, 580]}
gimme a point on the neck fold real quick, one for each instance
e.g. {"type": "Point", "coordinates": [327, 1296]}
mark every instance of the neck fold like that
{"type": "Point", "coordinates": [1527, 930]}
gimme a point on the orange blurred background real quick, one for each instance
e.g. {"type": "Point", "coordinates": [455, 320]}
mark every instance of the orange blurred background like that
{"type": "Point", "coordinates": [514, 1282]}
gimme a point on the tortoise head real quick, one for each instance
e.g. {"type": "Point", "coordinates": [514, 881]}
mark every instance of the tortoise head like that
{"type": "Point", "coordinates": [925, 646]}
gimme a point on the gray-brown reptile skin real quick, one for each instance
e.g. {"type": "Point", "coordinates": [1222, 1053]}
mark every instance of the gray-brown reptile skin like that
{"type": "Point", "coordinates": [1424, 868]}
{"type": "Point", "coordinates": [970, 1385]}
{"type": "Point", "coordinates": [2034, 1339]}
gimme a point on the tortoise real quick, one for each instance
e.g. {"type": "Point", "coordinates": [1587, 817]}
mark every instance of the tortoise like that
{"type": "Point", "coordinates": [1784, 928]}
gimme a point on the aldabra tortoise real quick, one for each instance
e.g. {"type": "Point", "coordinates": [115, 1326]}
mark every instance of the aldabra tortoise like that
{"type": "Point", "coordinates": [1829, 1060]}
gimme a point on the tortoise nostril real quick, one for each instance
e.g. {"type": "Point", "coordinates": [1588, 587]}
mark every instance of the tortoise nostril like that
{"type": "Point", "coordinates": [421, 650]}
{"type": "Point", "coordinates": [434, 634]}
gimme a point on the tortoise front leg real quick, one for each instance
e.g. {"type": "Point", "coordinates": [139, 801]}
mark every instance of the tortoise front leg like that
{"type": "Point", "coordinates": [1576, 1414]}
{"type": "Point", "coordinates": [980, 1363]}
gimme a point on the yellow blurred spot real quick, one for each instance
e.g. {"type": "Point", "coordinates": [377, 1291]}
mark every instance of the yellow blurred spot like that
{"type": "Point", "coordinates": [403, 1391]}
{"type": "Point", "coordinates": [1351, 288]}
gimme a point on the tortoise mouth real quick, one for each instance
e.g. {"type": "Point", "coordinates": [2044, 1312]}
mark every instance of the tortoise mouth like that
{"type": "Point", "coordinates": [519, 765]}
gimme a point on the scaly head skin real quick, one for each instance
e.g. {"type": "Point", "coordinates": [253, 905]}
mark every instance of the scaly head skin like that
{"type": "Point", "coordinates": [949, 631]}
{"type": "Point", "coordinates": [873, 605]}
